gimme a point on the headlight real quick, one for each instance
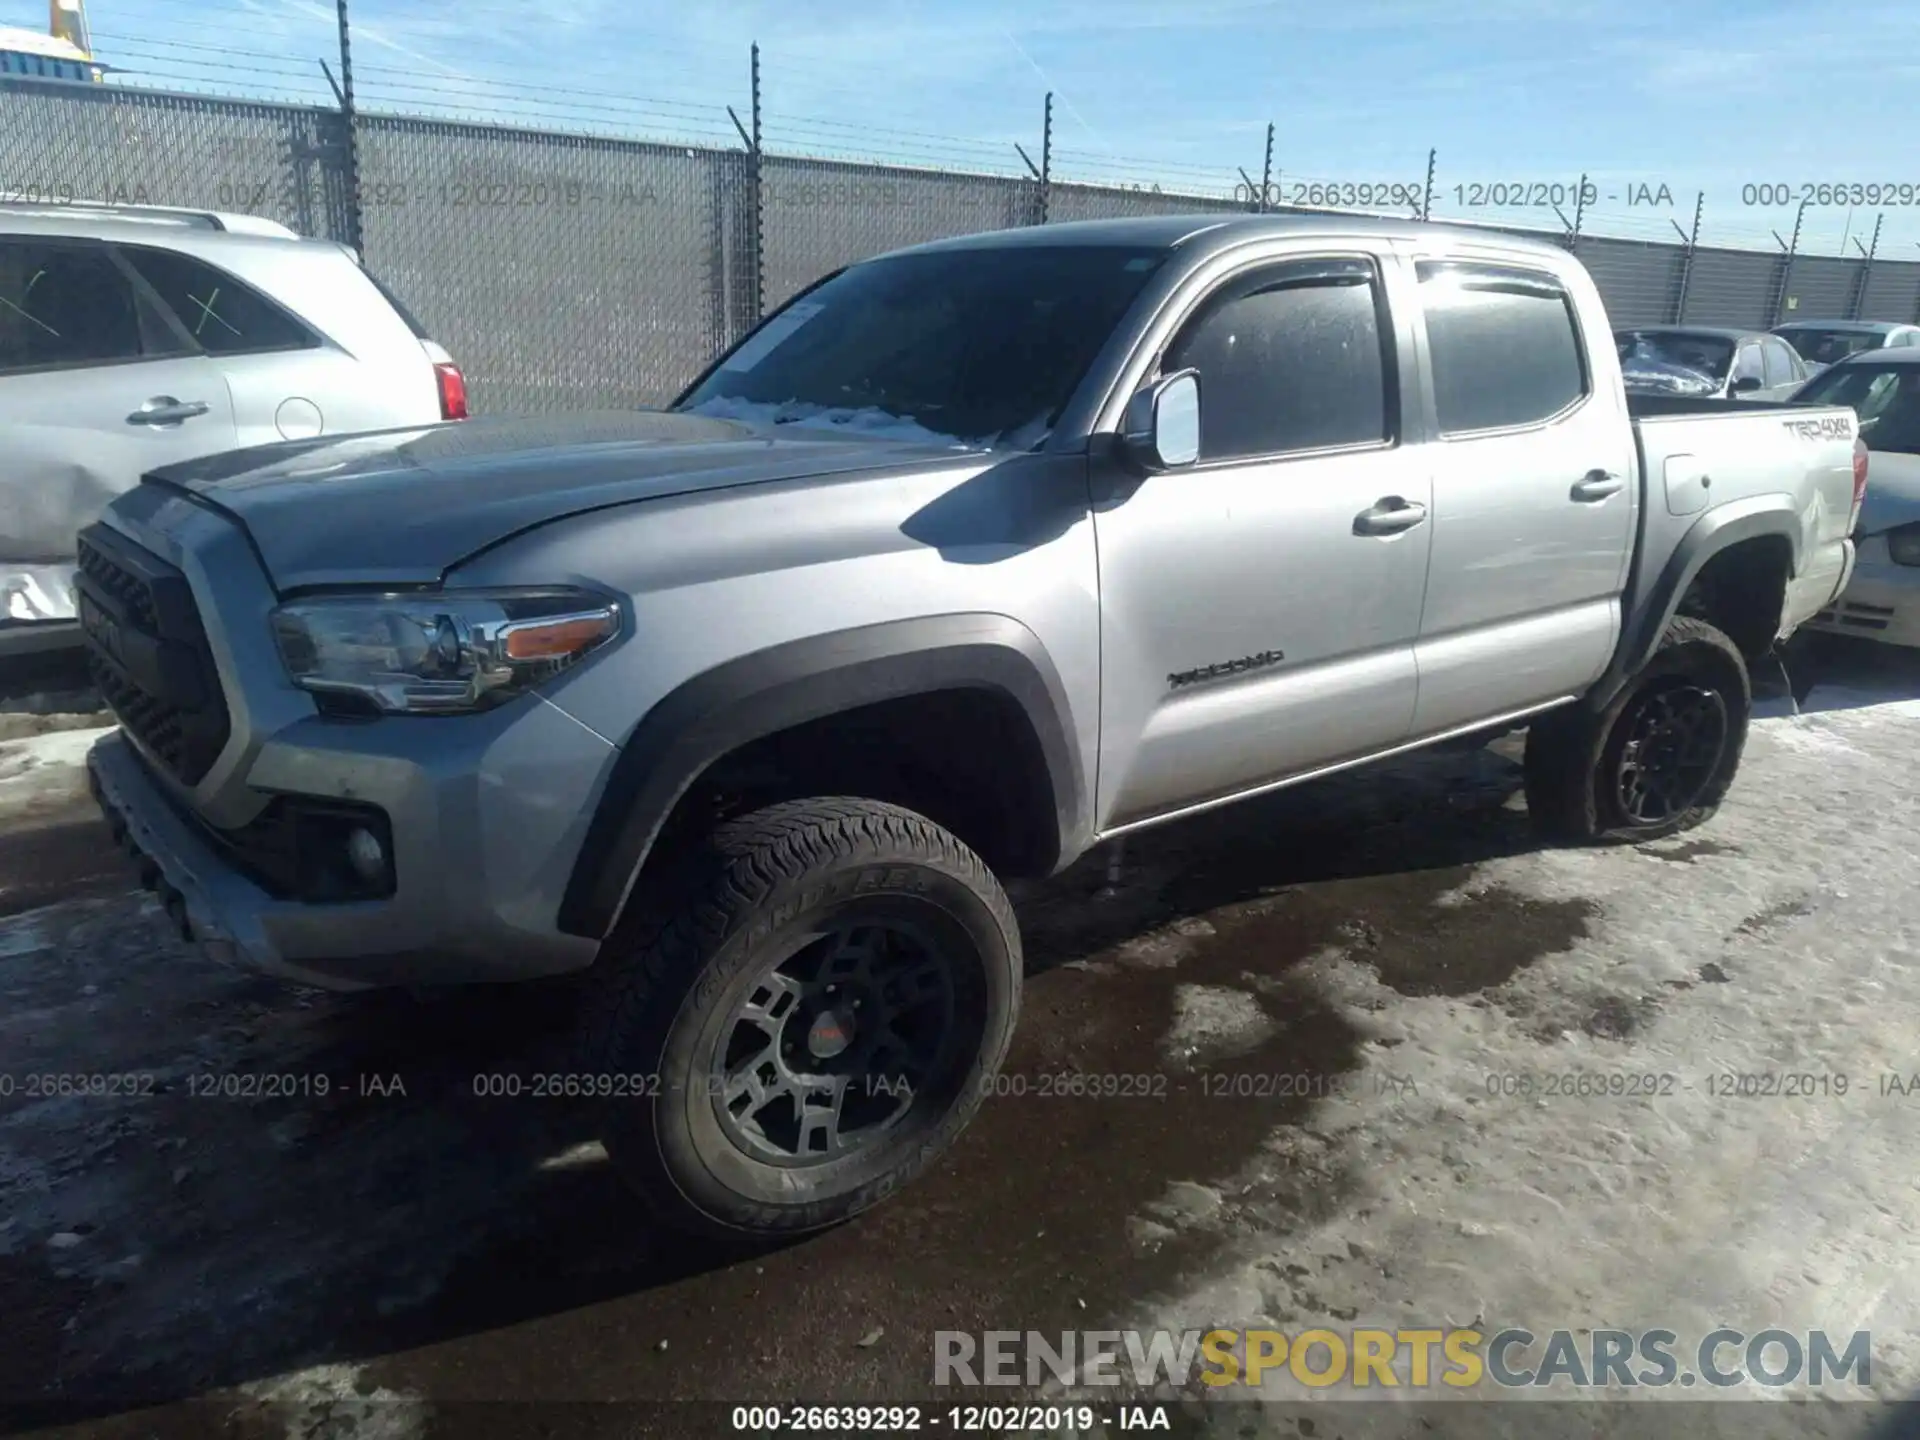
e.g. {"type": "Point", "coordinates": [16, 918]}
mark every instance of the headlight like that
{"type": "Point", "coordinates": [439, 653]}
{"type": "Point", "coordinates": [1904, 544]}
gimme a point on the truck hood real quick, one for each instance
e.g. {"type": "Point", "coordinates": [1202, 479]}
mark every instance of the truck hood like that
{"type": "Point", "coordinates": [1893, 491]}
{"type": "Point", "coordinates": [406, 506]}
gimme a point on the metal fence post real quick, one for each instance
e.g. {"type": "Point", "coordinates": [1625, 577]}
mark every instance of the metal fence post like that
{"type": "Point", "coordinates": [1426, 196]}
{"type": "Point", "coordinates": [1046, 162]}
{"type": "Point", "coordinates": [1691, 239]}
{"type": "Point", "coordinates": [756, 278]}
{"type": "Point", "coordinates": [1784, 280]}
{"type": "Point", "coordinates": [349, 118]}
{"type": "Point", "coordinates": [1866, 270]}
{"type": "Point", "coordinates": [757, 177]}
{"type": "Point", "coordinates": [1260, 198]}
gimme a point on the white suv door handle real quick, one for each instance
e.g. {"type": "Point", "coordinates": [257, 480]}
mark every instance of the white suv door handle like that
{"type": "Point", "coordinates": [1389, 516]}
{"type": "Point", "coordinates": [165, 410]}
{"type": "Point", "coordinates": [1597, 485]}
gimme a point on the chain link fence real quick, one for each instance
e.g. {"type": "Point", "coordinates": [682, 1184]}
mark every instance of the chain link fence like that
{"type": "Point", "coordinates": [569, 271]}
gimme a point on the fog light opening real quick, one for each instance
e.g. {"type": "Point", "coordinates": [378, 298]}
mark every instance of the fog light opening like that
{"type": "Point", "coordinates": [366, 855]}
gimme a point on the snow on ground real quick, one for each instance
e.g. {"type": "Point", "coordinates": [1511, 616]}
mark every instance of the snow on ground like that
{"type": "Point", "coordinates": [176, 1238]}
{"type": "Point", "coordinates": [1784, 937]}
{"type": "Point", "coordinates": [44, 774]}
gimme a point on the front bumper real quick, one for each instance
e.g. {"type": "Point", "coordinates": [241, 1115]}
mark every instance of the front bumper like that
{"type": "Point", "coordinates": [1881, 600]}
{"type": "Point", "coordinates": [443, 925]}
{"type": "Point", "coordinates": [220, 761]}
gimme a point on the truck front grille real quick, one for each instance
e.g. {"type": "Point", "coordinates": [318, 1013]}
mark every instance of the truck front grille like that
{"type": "Point", "coordinates": [148, 653]}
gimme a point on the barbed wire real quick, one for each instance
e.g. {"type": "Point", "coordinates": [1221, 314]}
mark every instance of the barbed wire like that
{"type": "Point", "coordinates": [280, 54]}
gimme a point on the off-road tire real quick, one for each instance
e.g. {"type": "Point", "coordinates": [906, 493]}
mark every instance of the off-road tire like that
{"type": "Point", "coordinates": [677, 964]}
{"type": "Point", "coordinates": [1573, 755]}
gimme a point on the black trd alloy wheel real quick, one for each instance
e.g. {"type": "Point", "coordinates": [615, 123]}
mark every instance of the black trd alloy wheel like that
{"type": "Point", "coordinates": [817, 1005]}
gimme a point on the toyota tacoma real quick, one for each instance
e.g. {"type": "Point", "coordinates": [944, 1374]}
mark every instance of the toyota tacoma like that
{"type": "Point", "coordinates": [969, 558]}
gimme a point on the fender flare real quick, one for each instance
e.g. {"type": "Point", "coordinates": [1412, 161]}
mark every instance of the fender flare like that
{"type": "Point", "coordinates": [1715, 532]}
{"type": "Point", "coordinates": [756, 695]}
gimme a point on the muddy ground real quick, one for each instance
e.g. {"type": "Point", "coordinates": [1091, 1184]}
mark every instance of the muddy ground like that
{"type": "Point", "coordinates": [177, 1259]}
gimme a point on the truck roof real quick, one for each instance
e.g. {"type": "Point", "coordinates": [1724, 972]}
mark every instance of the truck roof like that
{"type": "Point", "coordinates": [1151, 232]}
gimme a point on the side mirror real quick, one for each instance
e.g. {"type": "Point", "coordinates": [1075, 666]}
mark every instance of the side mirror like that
{"type": "Point", "coordinates": [1161, 430]}
{"type": "Point", "coordinates": [1744, 384]}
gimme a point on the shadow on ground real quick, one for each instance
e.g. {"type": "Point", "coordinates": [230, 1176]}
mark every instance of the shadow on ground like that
{"type": "Point", "coordinates": [448, 1241]}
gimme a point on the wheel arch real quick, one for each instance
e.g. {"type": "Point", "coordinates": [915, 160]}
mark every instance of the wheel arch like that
{"type": "Point", "coordinates": [1755, 539]}
{"type": "Point", "coordinates": [785, 688]}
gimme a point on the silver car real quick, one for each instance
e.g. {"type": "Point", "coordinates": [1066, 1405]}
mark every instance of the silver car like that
{"type": "Point", "coordinates": [133, 337]}
{"type": "Point", "coordinates": [1821, 343]}
{"type": "Point", "coordinates": [1882, 601]}
{"type": "Point", "coordinates": [1707, 362]}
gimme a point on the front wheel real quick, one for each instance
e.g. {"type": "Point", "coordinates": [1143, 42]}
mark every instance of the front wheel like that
{"type": "Point", "coordinates": [1657, 760]}
{"type": "Point", "coordinates": [809, 1017]}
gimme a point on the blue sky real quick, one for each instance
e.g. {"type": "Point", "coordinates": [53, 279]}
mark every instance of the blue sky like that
{"type": "Point", "coordinates": [1710, 95]}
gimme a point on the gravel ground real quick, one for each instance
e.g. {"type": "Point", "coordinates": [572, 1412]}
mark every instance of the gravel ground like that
{"type": "Point", "coordinates": [401, 1257]}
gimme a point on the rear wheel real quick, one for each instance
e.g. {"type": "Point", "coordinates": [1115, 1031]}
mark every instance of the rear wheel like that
{"type": "Point", "coordinates": [1659, 759]}
{"type": "Point", "coordinates": [804, 1019]}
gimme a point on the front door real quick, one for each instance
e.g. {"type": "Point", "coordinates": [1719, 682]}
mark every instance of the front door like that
{"type": "Point", "coordinates": [1260, 608]}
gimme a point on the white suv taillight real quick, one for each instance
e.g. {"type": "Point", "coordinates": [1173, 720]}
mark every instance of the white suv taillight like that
{"type": "Point", "coordinates": [452, 384]}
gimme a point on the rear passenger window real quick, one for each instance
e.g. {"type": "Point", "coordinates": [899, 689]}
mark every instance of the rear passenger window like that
{"type": "Point", "coordinates": [1290, 358]}
{"type": "Point", "coordinates": [225, 315]}
{"type": "Point", "coordinates": [1503, 343]}
{"type": "Point", "coordinates": [64, 305]}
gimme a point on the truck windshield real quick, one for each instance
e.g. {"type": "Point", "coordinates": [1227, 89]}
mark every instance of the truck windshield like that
{"type": "Point", "coordinates": [1823, 347]}
{"type": "Point", "coordinates": [977, 346]}
{"type": "Point", "coordinates": [1669, 360]}
{"type": "Point", "coordinates": [1886, 398]}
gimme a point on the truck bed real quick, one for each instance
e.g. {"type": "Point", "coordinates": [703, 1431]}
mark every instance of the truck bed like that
{"type": "Point", "coordinates": [1700, 454]}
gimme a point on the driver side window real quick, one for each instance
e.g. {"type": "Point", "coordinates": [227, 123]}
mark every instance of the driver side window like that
{"type": "Point", "coordinates": [1747, 363]}
{"type": "Point", "coordinates": [1291, 357]}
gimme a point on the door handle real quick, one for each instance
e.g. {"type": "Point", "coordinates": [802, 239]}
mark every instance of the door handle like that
{"type": "Point", "coordinates": [1597, 485]}
{"type": "Point", "coordinates": [1389, 516]}
{"type": "Point", "coordinates": [165, 410]}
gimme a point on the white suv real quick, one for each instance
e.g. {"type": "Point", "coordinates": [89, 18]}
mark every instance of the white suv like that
{"type": "Point", "coordinates": [133, 337]}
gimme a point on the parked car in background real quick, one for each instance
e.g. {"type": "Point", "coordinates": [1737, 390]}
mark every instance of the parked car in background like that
{"type": "Point", "coordinates": [133, 337]}
{"type": "Point", "coordinates": [1882, 387]}
{"type": "Point", "coordinates": [969, 558]}
{"type": "Point", "coordinates": [1705, 362]}
{"type": "Point", "coordinates": [1821, 343]}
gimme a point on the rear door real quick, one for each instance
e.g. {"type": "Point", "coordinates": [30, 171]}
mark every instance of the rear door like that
{"type": "Point", "coordinates": [278, 371]}
{"type": "Point", "coordinates": [1533, 495]}
{"type": "Point", "coordinates": [97, 386]}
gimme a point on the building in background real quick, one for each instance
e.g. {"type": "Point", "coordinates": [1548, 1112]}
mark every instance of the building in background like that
{"type": "Point", "coordinates": [65, 52]}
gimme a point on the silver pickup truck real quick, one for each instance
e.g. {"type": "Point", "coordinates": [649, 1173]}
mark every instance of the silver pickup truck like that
{"type": "Point", "coordinates": [970, 558]}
